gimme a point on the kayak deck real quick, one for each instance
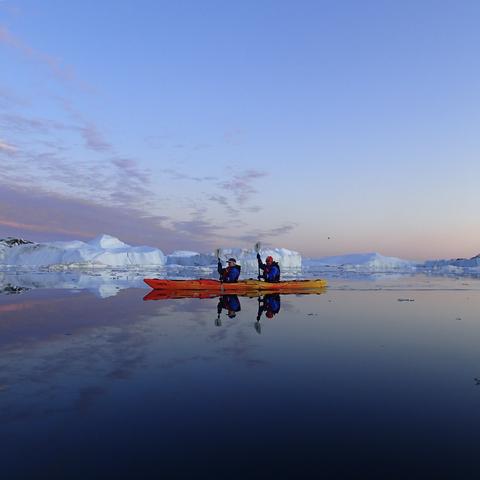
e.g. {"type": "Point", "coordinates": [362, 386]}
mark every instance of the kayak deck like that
{"type": "Point", "coordinates": [250, 285]}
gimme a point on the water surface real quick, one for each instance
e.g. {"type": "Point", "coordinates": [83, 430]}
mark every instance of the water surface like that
{"type": "Point", "coordinates": [375, 377]}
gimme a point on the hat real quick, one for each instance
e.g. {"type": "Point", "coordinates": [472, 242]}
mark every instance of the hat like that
{"type": "Point", "coordinates": [269, 314]}
{"type": "Point", "coordinates": [232, 260]}
{"type": "Point", "coordinates": [269, 259]}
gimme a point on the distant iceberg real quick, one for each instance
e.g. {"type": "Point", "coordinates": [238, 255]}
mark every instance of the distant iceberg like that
{"type": "Point", "coordinates": [247, 258]}
{"type": "Point", "coordinates": [191, 259]}
{"type": "Point", "coordinates": [362, 261]}
{"type": "Point", "coordinates": [472, 262]}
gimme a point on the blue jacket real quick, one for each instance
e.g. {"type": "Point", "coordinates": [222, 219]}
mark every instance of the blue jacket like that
{"type": "Point", "coordinates": [228, 274]}
{"type": "Point", "coordinates": [271, 273]}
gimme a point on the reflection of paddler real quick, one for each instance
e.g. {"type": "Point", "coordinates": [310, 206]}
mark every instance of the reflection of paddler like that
{"type": "Point", "coordinates": [230, 303]}
{"type": "Point", "coordinates": [270, 304]}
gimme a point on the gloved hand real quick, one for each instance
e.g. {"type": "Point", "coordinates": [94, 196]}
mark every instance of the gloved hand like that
{"type": "Point", "coordinates": [259, 257]}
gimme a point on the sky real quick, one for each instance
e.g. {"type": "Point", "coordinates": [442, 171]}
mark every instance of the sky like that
{"type": "Point", "coordinates": [327, 127]}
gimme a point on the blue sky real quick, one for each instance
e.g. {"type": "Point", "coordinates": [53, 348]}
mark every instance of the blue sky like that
{"type": "Point", "coordinates": [325, 127]}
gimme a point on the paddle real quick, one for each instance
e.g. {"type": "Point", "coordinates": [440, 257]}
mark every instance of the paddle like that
{"type": "Point", "coordinates": [257, 247]}
{"type": "Point", "coordinates": [218, 252]}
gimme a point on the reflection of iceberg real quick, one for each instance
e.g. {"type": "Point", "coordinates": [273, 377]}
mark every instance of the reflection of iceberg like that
{"type": "Point", "coordinates": [9, 289]}
{"type": "Point", "coordinates": [103, 284]}
{"type": "Point", "coordinates": [339, 272]}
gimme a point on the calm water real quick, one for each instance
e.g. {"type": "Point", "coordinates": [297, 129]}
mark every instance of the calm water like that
{"type": "Point", "coordinates": [371, 379]}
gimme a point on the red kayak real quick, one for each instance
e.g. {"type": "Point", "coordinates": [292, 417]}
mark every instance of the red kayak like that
{"type": "Point", "coordinates": [243, 286]}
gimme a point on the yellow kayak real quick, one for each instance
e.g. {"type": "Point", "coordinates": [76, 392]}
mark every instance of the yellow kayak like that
{"type": "Point", "coordinates": [242, 286]}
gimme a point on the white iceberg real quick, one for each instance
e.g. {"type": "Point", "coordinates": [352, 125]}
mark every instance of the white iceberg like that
{"type": "Point", "coordinates": [190, 259]}
{"type": "Point", "coordinates": [247, 258]}
{"type": "Point", "coordinates": [468, 263]}
{"type": "Point", "coordinates": [102, 251]}
{"type": "Point", "coordinates": [361, 261]}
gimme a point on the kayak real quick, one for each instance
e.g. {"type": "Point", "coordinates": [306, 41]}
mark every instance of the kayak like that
{"type": "Point", "coordinates": [243, 286]}
{"type": "Point", "coordinates": [174, 294]}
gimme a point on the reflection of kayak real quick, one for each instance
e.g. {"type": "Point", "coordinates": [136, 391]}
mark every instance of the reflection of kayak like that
{"type": "Point", "coordinates": [242, 286]}
{"type": "Point", "coordinates": [170, 294]}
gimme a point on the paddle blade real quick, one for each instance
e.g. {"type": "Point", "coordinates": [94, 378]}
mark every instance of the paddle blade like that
{"type": "Point", "coordinates": [257, 247]}
{"type": "Point", "coordinates": [218, 252]}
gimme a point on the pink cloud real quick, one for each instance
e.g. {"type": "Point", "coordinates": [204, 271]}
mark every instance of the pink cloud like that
{"type": "Point", "coordinates": [94, 139]}
{"type": "Point", "coordinates": [6, 147]}
{"type": "Point", "coordinates": [241, 186]}
{"type": "Point", "coordinates": [38, 215]}
{"type": "Point", "coordinates": [44, 228]}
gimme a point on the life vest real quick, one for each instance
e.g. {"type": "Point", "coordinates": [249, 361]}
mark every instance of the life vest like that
{"type": "Point", "coordinates": [230, 274]}
{"type": "Point", "coordinates": [271, 273]}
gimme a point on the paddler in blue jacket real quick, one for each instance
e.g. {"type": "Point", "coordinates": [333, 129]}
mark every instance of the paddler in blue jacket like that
{"type": "Point", "coordinates": [271, 269]}
{"type": "Point", "coordinates": [231, 273]}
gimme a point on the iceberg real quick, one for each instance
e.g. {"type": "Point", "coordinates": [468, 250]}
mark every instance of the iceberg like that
{"type": "Point", "coordinates": [247, 258]}
{"type": "Point", "coordinates": [472, 262]}
{"type": "Point", "coordinates": [102, 251]}
{"type": "Point", "coordinates": [191, 259]}
{"type": "Point", "coordinates": [362, 261]}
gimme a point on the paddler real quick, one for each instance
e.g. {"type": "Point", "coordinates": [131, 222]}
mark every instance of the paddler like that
{"type": "Point", "coordinates": [230, 273]}
{"type": "Point", "coordinates": [271, 269]}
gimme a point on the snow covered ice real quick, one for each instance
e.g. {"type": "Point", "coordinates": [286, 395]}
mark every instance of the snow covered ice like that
{"type": "Point", "coordinates": [191, 259]}
{"type": "Point", "coordinates": [362, 261]}
{"type": "Point", "coordinates": [103, 250]}
{"type": "Point", "coordinates": [473, 262]}
{"type": "Point", "coordinates": [247, 258]}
